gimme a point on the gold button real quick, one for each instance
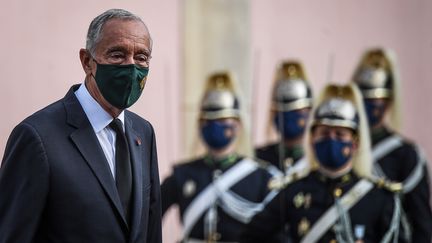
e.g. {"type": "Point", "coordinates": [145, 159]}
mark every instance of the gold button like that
{"type": "Point", "coordinates": [346, 178]}
{"type": "Point", "coordinates": [333, 241]}
{"type": "Point", "coordinates": [337, 192]}
{"type": "Point", "coordinates": [217, 236]}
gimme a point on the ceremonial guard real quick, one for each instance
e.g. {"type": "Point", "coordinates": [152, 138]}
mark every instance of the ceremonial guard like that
{"type": "Point", "coordinates": [289, 114]}
{"type": "Point", "coordinates": [220, 192]}
{"type": "Point", "coordinates": [338, 201]}
{"type": "Point", "coordinates": [395, 157]}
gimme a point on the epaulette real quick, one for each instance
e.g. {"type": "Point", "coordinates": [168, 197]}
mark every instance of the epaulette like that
{"type": "Point", "coordinates": [262, 163]}
{"type": "Point", "coordinates": [388, 185]}
{"type": "Point", "coordinates": [269, 167]}
{"type": "Point", "coordinates": [281, 182]}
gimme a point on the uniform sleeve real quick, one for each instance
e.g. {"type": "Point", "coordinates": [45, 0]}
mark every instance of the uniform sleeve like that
{"type": "Point", "coordinates": [416, 205]}
{"type": "Point", "coordinates": [24, 180]}
{"type": "Point", "coordinates": [418, 210]}
{"type": "Point", "coordinates": [169, 193]}
{"type": "Point", "coordinates": [154, 231]}
{"type": "Point", "coordinates": [266, 225]}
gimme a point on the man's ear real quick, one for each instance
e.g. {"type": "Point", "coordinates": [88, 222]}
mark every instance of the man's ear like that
{"type": "Point", "coordinates": [238, 126]}
{"type": "Point", "coordinates": [85, 60]}
{"type": "Point", "coordinates": [356, 143]}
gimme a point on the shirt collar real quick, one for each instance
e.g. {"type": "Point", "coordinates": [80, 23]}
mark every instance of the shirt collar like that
{"type": "Point", "coordinates": [97, 116]}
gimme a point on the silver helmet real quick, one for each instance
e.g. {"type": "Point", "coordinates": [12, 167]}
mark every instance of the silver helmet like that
{"type": "Point", "coordinates": [337, 112]}
{"type": "Point", "coordinates": [219, 100]}
{"type": "Point", "coordinates": [291, 90]}
{"type": "Point", "coordinates": [374, 76]}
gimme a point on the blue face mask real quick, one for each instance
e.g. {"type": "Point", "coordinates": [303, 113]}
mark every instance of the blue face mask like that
{"type": "Point", "coordinates": [217, 134]}
{"type": "Point", "coordinates": [374, 112]}
{"type": "Point", "coordinates": [293, 123]}
{"type": "Point", "coordinates": [333, 154]}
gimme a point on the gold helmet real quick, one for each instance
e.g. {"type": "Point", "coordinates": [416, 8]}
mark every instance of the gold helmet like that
{"type": "Point", "coordinates": [220, 100]}
{"type": "Point", "coordinates": [376, 76]}
{"type": "Point", "coordinates": [291, 90]}
{"type": "Point", "coordinates": [342, 106]}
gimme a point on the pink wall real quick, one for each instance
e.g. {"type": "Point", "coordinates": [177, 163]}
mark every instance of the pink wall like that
{"type": "Point", "coordinates": [40, 43]}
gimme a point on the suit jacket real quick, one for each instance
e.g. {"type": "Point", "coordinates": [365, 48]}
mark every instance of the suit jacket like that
{"type": "Point", "coordinates": [56, 185]}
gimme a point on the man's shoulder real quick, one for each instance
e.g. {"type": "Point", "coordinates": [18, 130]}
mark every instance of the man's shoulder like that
{"type": "Point", "coordinates": [138, 122]}
{"type": "Point", "coordinates": [405, 142]}
{"type": "Point", "coordinates": [266, 148]}
{"type": "Point", "coordinates": [46, 123]}
{"type": "Point", "coordinates": [47, 115]}
{"type": "Point", "coordinates": [268, 153]}
{"type": "Point", "coordinates": [55, 111]}
{"type": "Point", "coordinates": [194, 168]}
{"type": "Point", "coordinates": [382, 195]}
{"type": "Point", "coordinates": [194, 163]}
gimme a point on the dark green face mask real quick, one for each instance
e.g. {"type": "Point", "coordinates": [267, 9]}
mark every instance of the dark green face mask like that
{"type": "Point", "coordinates": [120, 85]}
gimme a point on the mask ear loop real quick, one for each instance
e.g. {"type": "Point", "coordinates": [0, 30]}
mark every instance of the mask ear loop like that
{"type": "Point", "coordinates": [94, 60]}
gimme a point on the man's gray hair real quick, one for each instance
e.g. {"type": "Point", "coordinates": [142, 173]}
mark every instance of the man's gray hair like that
{"type": "Point", "coordinates": [95, 28]}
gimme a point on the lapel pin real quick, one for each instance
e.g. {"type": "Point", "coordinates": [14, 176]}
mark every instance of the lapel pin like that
{"type": "Point", "coordinates": [138, 141]}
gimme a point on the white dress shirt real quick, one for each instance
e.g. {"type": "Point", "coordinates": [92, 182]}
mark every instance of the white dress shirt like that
{"type": "Point", "coordinates": [100, 120]}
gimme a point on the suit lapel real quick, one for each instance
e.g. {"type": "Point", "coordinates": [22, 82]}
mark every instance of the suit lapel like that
{"type": "Point", "coordinates": [87, 143]}
{"type": "Point", "coordinates": [137, 148]}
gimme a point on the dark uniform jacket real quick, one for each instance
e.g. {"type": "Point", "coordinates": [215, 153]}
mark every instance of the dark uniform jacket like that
{"type": "Point", "coordinates": [397, 166]}
{"type": "Point", "coordinates": [270, 153]}
{"type": "Point", "coordinates": [254, 187]}
{"type": "Point", "coordinates": [307, 199]}
{"type": "Point", "coordinates": [56, 185]}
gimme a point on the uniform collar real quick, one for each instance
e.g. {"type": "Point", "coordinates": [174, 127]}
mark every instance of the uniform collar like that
{"type": "Point", "coordinates": [222, 163]}
{"type": "Point", "coordinates": [339, 181]}
{"type": "Point", "coordinates": [295, 152]}
{"type": "Point", "coordinates": [98, 117]}
{"type": "Point", "coordinates": [379, 134]}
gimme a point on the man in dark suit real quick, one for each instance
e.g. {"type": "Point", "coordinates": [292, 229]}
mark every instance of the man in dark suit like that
{"type": "Point", "coordinates": [84, 169]}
